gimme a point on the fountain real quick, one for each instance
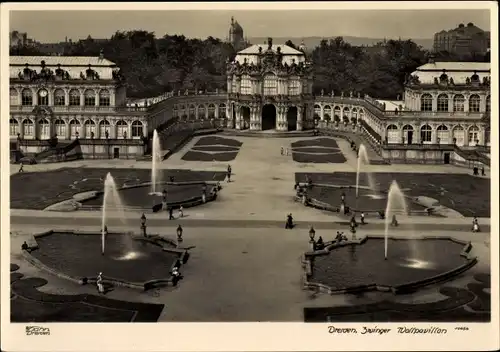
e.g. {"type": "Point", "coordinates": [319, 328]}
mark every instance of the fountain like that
{"type": "Point", "coordinates": [76, 253]}
{"type": "Point", "coordinates": [396, 203]}
{"type": "Point", "coordinates": [155, 161]}
{"type": "Point", "coordinates": [363, 159]}
{"type": "Point", "coordinates": [112, 202]}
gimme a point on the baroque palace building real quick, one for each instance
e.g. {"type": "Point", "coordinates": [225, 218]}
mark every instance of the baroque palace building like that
{"type": "Point", "coordinates": [443, 112]}
{"type": "Point", "coordinates": [72, 98]}
{"type": "Point", "coordinates": [270, 87]}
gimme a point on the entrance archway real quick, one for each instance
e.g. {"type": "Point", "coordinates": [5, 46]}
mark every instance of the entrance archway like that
{"type": "Point", "coordinates": [245, 117]}
{"type": "Point", "coordinates": [268, 117]}
{"type": "Point", "coordinates": [291, 117]}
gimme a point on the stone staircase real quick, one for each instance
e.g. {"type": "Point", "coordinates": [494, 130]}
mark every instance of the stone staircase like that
{"type": "Point", "coordinates": [374, 157]}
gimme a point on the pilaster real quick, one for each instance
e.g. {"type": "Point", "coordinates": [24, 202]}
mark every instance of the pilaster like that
{"type": "Point", "coordinates": [238, 116]}
{"type": "Point", "coordinates": [299, 118]}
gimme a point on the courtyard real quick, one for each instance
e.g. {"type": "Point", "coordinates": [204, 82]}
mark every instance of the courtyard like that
{"type": "Point", "coordinates": [244, 266]}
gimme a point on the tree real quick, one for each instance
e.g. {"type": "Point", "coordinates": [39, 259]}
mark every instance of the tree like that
{"type": "Point", "coordinates": [153, 65]}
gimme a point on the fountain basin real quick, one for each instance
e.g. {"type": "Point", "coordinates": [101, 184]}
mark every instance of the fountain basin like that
{"type": "Point", "coordinates": [359, 265]}
{"type": "Point", "coordinates": [140, 196]}
{"type": "Point", "coordinates": [130, 260]}
{"type": "Point", "coordinates": [328, 197]}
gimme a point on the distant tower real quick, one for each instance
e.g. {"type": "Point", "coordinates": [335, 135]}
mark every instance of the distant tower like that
{"type": "Point", "coordinates": [236, 38]}
{"type": "Point", "coordinates": [302, 46]}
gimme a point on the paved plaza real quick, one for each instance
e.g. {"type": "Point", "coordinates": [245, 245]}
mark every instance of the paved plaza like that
{"type": "Point", "coordinates": [244, 266]}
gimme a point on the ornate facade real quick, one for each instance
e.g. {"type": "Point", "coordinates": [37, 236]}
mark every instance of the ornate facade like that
{"type": "Point", "coordinates": [270, 88]}
{"type": "Point", "coordinates": [70, 97]}
{"type": "Point", "coordinates": [445, 103]}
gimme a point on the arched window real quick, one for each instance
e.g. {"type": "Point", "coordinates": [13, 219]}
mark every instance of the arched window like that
{"type": "Point", "coordinates": [346, 113]}
{"type": "Point", "coordinates": [361, 114]}
{"type": "Point", "coordinates": [14, 98]}
{"type": "Point", "coordinates": [28, 128]}
{"type": "Point", "coordinates": [459, 103]}
{"type": "Point", "coordinates": [488, 104]}
{"type": "Point", "coordinates": [59, 97]}
{"type": "Point", "coordinates": [426, 102]}
{"type": "Point", "coordinates": [222, 111]}
{"type": "Point", "coordinates": [137, 129]}
{"type": "Point", "coordinates": [317, 112]}
{"type": "Point", "coordinates": [426, 134]}
{"type": "Point", "coordinates": [270, 85]}
{"type": "Point", "coordinates": [89, 96]}
{"type": "Point", "coordinates": [442, 102]}
{"type": "Point", "coordinates": [192, 112]}
{"type": "Point", "coordinates": [211, 111]}
{"type": "Point", "coordinates": [474, 103]}
{"type": "Point", "coordinates": [104, 98]}
{"type": "Point", "coordinates": [74, 128]}
{"type": "Point", "coordinates": [201, 112]}
{"type": "Point", "coordinates": [392, 134]}
{"type": "Point", "coordinates": [294, 86]}
{"type": "Point", "coordinates": [60, 128]}
{"type": "Point", "coordinates": [473, 135]}
{"type": "Point", "coordinates": [74, 97]}
{"type": "Point", "coordinates": [459, 135]}
{"type": "Point", "coordinates": [13, 127]}
{"type": "Point", "coordinates": [408, 134]}
{"type": "Point", "coordinates": [327, 110]}
{"type": "Point", "coordinates": [27, 97]}
{"type": "Point", "coordinates": [354, 113]}
{"type": "Point", "coordinates": [337, 112]}
{"type": "Point", "coordinates": [443, 135]}
{"type": "Point", "coordinates": [121, 129]}
{"type": "Point", "coordinates": [90, 128]}
{"type": "Point", "coordinates": [43, 97]}
{"type": "Point", "coordinates": [104, 126]}
{"type": "Point", "coordinates": [487, 136]}
{"type": "Point", "coordinates": [246, 85]}
{"type": "Point", "coordinates": [44, 129]}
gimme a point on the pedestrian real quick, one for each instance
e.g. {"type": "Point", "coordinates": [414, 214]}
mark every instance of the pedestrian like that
{"type": "Point", "coordinates": [286, 151]}
{"type": "Point", "coordinates": [100, 284]}
{"type": "Point", "coordinates": [362, 218]}
{"type": "Point", "coordinates": [181, 212]}
{"type": "Point", "coordinates": [21, 166]}
{"type": "Point", "coordinates": [475, 227]}
{"type": "Point", "coordinates": [228, 176]}
{"type": "Point", "coordinates": [394, 221]}
{"type": "Point", "coordinates": [171, 213]}
{"type": "Point", "coordinates": [475, 224]}
{"type": "Point", "coordinates": [176, 275]}
{"type": "Point", "coordinates": [482, 171]}
{"type": "Point", "coordinates": [282, 150]}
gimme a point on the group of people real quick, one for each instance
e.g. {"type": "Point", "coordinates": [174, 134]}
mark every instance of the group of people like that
{"type": "Point", "coordinates": [320, 243]}
{"type": "Point", "coordinates": [284, 151]}
{"type": "Point", "coordinates": [171, 213]}
{"type": "Point", "coordinates": [176, 277]}
{"type": "Point", "coordinates": [475, 171]}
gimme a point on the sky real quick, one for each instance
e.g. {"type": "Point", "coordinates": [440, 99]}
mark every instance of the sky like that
{"type": "Point", "coordinates": [49, 26]}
